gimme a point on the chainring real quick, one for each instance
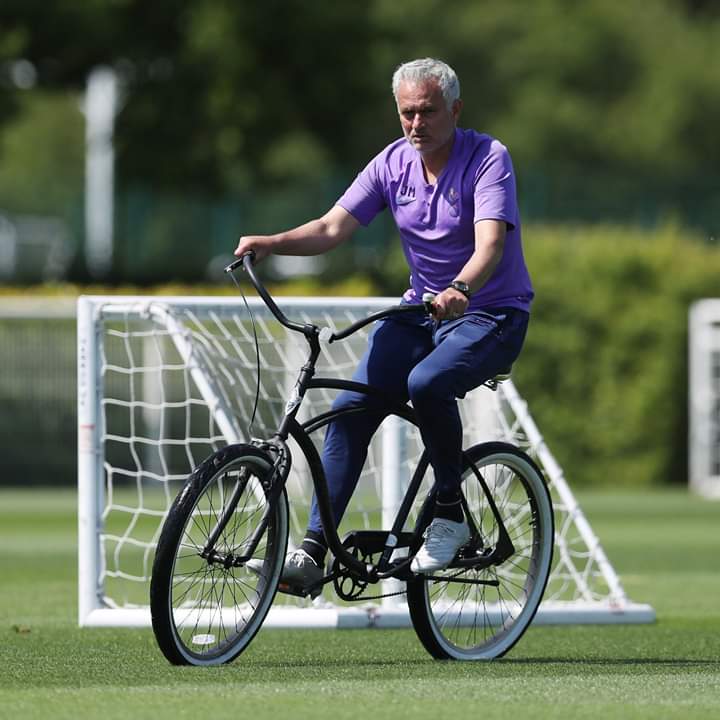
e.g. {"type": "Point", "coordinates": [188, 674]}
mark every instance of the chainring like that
{"type": "Point", "coordinates": [347, 584]}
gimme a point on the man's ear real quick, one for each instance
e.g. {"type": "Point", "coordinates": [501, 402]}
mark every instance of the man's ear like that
{"type": "Point", "coordinates": [456, 108]}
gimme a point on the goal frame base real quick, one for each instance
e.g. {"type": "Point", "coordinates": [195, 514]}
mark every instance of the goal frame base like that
{"type": "Point", "coordinates": [549, 613]}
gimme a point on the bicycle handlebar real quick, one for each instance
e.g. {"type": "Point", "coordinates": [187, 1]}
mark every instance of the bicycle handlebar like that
{"type": "Point", "coordinates": [246, 262]}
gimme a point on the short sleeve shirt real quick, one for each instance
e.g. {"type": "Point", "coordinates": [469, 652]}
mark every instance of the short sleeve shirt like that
{"type": "Point", "coordinates": [437, 222]}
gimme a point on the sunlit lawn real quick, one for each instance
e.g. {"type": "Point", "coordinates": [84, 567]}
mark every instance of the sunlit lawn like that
{"type": "Point", "coordinates": [666, 547]}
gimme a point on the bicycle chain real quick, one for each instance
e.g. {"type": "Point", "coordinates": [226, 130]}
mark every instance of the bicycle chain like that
{"type": "Point", "coordinates": [377, 597]}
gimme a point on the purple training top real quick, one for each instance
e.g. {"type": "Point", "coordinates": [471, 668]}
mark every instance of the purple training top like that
{"type": "Point", "coordinates": [436, 222]}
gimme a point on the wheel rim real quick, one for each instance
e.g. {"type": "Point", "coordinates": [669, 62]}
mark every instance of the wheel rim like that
{"type": "Point", "coordinates": [473, 620]}
{"type": "Point", "coordinates": [216, 609]}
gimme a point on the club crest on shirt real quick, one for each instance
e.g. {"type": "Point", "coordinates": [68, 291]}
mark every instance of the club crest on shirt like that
{"type": "Point", "coordinates": [405, 195]}
{"type": "Point", "coordinates": [453, 199]}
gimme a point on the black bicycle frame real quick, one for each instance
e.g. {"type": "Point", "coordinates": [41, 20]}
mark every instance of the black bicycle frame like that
{"type": "Point", "coordinates": [290, 427]}
{"type": "Point", "coordinates": [502, 550]}
{"type": "Point", "coordinates": [300, 433]}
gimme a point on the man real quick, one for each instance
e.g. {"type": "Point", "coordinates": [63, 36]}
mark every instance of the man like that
{"type": "Point", "coordinates": [452, 195]}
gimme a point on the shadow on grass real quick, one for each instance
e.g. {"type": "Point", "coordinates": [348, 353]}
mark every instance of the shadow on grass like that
{"type": "Point", "coordinates": [428, 662]}
{"type": "Point", "coordinates": [680, 662]}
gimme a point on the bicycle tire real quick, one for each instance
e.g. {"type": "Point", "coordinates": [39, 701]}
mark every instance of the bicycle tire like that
{"type": "Point", "coordinates": [459, 618]}
{"type": "Point", "coordinates": [204, 613]}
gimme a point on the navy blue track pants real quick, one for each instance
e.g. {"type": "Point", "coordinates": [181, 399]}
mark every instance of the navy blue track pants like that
{"type": "Point", "coordinates": [412, 357]}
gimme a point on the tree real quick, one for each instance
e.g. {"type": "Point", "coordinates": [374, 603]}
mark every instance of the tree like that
{"type": "Point", "coordinates": [609, 108]}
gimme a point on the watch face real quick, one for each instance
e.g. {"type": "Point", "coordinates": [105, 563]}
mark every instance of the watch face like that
{"type": "Point", "coordinates": [461, 286]}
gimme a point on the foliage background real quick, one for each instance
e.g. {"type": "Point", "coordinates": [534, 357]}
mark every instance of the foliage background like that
{"type": "Point", "coordinates": [240, 116]}
{"type": "Point", "coordinates": [610, 109]}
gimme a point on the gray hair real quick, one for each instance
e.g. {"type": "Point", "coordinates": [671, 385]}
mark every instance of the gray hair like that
{"type": "Point", "coordinates": [418, 71]}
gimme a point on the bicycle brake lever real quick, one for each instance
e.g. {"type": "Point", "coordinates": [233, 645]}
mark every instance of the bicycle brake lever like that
{"type": "Point", "coordinates": [235, 264]}
{"type": "Point", "coordinates": [428, 299]}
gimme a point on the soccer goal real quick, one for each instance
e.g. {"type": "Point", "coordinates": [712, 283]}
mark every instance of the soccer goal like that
{"type": "Point", "coordinates": [165, 381]}
{"type": "Point", "coordinates": [704, 398]}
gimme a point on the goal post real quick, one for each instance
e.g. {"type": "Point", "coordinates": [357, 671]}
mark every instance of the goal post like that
{"type": "Point", "coordinates": [704, 398]}
{"type": "Point", "coordinates": [165, 381]}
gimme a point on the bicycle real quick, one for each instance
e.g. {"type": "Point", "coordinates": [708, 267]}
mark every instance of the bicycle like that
{"type": "Point", "coordinates": [223, 544]}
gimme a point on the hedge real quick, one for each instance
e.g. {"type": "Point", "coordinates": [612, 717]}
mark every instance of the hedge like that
{"type": "Point", "coordinates": [604, 369]}
{"type": "Point", "coordinates": [605, 364]}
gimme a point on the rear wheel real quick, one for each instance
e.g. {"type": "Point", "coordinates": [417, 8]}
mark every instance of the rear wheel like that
{"type": "Point", "coordinates": [207, 601]}
{"type": "Point", "coordinates": [480, 612]}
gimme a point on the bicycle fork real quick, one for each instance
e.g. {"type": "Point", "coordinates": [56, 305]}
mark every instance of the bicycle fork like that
{"type": "Point", "coordinates": [274, 482]}
{"type": "Point", "coordinates": [272, 485]}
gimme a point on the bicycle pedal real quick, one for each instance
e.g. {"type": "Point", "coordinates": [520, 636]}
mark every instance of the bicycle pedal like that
{"type": "Point", "coordinates": [313, 592]}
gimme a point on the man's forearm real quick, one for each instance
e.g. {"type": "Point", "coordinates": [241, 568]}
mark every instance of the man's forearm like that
{"type": "Point", "coordinates": [481, 265]}
{"type": "Point", "coordinates": [312, 238]}
{"type": "Point", "coordinates": [489, 245]}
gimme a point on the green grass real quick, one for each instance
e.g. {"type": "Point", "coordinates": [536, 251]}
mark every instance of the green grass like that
{"type": "Point", "coordinates": [665, 545]}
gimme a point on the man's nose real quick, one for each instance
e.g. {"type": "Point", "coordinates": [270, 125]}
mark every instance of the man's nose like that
{"type": "Point", "coordinates": [417, 120]}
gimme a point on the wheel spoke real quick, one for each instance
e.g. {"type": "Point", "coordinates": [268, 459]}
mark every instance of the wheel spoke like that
{"type": "Point", "coordinates": [210, 609]}
{"type": "Point", "coordinates": [481, 612]}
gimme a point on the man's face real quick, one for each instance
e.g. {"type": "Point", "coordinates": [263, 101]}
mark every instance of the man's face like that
{"type": "Point", "coordinates": [424, 116]}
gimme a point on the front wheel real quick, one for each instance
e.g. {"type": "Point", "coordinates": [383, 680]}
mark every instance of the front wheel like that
{"type": "Point", "coordinates": [479, 613]}
{"type": "Point", "coordinates": [208, 597]}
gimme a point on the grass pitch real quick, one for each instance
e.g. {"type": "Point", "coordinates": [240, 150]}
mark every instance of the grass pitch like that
{"type": "Point", "coordinates": [666, 547]}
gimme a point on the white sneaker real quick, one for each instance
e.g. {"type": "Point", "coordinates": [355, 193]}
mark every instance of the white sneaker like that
{"type": "Point", "coordinates": [443, 538]}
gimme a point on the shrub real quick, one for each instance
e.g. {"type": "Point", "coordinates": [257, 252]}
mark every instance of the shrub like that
{"type": "Point", "coordinates": [604, 369]}
{"type": "Point", "coordinates": [605, 364]}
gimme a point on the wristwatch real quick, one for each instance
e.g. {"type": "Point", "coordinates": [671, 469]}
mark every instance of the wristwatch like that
{"type": "Point", "coordinates": [462, 287]}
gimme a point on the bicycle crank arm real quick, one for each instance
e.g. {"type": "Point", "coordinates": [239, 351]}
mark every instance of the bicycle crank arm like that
{"type": "Point", "coordinates": [499, 554]}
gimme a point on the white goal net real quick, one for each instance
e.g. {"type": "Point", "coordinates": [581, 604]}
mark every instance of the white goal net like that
{"type": "Point", "coordinates": [163, 382]}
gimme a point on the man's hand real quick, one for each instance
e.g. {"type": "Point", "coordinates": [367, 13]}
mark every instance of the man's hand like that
{"type": "Point", "coordinates": [261, 245]}
{"type": "Point", "coordinates": [450, 304]}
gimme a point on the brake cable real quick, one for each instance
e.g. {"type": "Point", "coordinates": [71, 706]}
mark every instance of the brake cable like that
{"type": "Point", "coordinates": [257, 352]}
